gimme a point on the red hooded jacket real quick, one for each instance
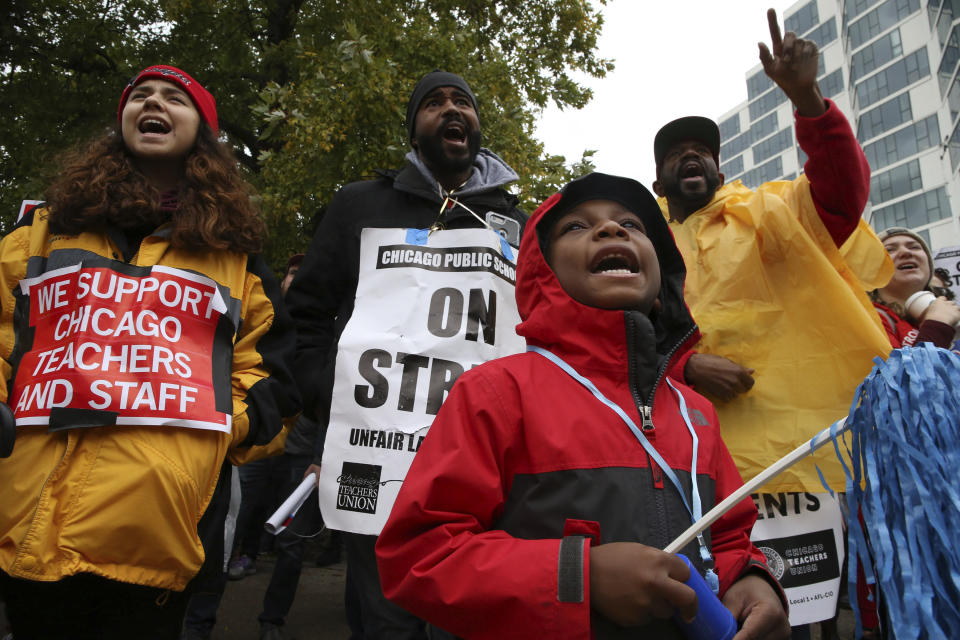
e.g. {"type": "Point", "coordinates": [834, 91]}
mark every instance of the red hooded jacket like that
{"type": "Point", "coordinates": [521, 459]}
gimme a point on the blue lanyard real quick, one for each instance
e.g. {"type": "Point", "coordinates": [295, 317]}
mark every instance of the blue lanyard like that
{"type": "Point", "coordinates": [696, 511]}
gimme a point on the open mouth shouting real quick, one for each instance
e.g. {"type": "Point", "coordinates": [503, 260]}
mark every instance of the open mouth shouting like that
{"type": "Point", "coordinates": [454, 131]}
{"type": "Point", "coordinates": [907, 265]}
{"type": "Point", "coordinates": [691, 170]}
{"type": "Point", "coordinates": [614, 261]}
{"type": "Point", "coordinates": [153, 126]}
{"type": "Point", "coordinates": [602, 257]}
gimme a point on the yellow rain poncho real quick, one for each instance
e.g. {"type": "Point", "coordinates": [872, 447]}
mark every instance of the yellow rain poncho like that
{"type": "Point", "coordinates": [771, 291]}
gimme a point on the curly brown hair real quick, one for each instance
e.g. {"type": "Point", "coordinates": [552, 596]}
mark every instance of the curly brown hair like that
{"type": "Point", "coordinates": [895, 306]}
{"type": "Point", "coordinates": [100, 186]}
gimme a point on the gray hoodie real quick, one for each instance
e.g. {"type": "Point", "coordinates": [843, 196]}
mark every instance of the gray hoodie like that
{"type": "Point", "coordinates": [489, 172]}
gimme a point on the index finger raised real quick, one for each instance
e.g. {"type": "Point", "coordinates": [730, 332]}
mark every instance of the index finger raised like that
{"type": "Point", "coordinates": [775, 38]}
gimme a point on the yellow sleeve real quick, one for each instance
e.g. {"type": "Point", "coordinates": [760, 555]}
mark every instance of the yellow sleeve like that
{"type": "Point", "coordinates": [265, 398]}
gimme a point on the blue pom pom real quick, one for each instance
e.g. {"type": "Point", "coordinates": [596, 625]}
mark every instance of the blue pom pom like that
{"type": "Point", "coordinates": [904, 479]}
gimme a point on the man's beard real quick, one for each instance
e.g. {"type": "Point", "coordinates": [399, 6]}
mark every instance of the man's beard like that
{"type": "Point", "coordinates": [673, 189]}
{"type": "Point", "coordinates": [431, 150]}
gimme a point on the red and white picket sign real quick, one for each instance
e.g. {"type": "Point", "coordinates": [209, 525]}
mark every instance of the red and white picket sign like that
{"type": "Point", "coordinates": [124, 346]}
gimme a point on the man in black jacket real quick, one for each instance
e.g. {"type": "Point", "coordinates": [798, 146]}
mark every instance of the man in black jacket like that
{"type": "Point", "coordinates": [449, 182]}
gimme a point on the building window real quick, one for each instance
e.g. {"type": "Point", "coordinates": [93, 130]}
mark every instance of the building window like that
{"type": "Point", "coordinates": [764, 173]}
{"type": "Point", "coordinates": [824, 34]}
{"type": "Point", "coordinates": [766, 102]}
{"type": "Point", "coordinates": [944, 21]}
{"type": "Point", "coordinates": [758, 83]}
{"type": "Point", "coordinates": [884, 16]}
{"type": "Point", "coordinates": [896, 182]}
{"type": "Point", "coordinates": [732, 167]}
{"type": "Point", "coordinates": [759, 129]}
{"type": "Point", "coordinates": [854, 8]}
{"type": "Point", "coordinates": [933, 7]}
{"type": "Point", "coordinates": [951, 55]}
{"type": "Point", "coordinates": [955, 147]}
{"type": "Point", "coordinates": [953, 99]}
{"type": "Point", "coordinates": [730, 127]}
{"type": "Point", "coordinates": [897, 76]}
{"type": "Point", "coordinates": [913, 212]}
{"type": "Point", "coordinates": [803, 20]}
{"type": "Point", "coordinates": [832, 84]}
{"type": "Point", "coordinates": [903, 143]}
{"type": "Point", "coordinates": [888, 115]}
{"type": "Point", "coordinates": [772, 145]}
{"type": "Point", "coordinates": [763, 127]}
{"type": "Point", "coordinates": [876, 55]}
{"type": "Point", "coordinates": [736, 146]}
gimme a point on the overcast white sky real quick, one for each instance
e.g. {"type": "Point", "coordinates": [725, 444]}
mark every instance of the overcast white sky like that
{"type": "Point", "coordinates": [673, 58]}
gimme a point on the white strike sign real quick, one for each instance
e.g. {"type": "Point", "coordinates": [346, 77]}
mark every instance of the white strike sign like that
{"type": "Point", "coordinates": [428, 307]}
{"type": "Point", "coordinates": [802, 538]}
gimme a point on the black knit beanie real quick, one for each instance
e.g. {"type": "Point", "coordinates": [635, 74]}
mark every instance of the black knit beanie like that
{"type": "Point", "coordinates": [427, 84]}
{"type": "Point", "coordinates": [629, 193]}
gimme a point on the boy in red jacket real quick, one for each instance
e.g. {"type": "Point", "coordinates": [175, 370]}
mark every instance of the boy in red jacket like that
{"type": "Point", "coordinates": [533, 509]}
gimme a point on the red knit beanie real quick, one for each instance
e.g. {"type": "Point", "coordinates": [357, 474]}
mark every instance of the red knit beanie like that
{"type": "Point", "coordinates": [202, 99]}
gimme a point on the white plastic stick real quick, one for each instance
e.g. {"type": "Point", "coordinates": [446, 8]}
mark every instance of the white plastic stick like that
{"type": "Point", "coordinates": [281, 517]}
{"type": "Point", "coordinates": [755, 483]}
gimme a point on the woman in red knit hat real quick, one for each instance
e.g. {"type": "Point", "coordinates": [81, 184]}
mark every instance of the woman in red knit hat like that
{"type": "Point", "coordinates": [142, 342]}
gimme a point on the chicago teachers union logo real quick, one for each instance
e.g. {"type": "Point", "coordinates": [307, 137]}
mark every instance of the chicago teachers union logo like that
{"type": "Point", "coordinates": [359, 487]}
{"type": "Point", "coordinates": [774, 561]}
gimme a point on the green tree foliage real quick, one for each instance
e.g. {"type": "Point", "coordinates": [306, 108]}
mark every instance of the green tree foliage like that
{"type": "Point", "coordinates": [62, 66]}
{"type": "Point", "coordinates": [311, 94]}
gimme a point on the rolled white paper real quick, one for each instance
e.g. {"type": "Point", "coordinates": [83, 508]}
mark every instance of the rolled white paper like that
{"type": "Point", "coordinates": [281, 518]}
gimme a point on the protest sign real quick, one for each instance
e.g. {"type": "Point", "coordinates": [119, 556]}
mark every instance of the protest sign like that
{"type": "Point", "coordinates": [802, 538]}
{"type": "Point", "coordinates": [949, 258]}
{"type": "Point", "coordinates": [27, 206]}
{"type": "Point", "coordinates": [428, 307]}
{"type": "Point", "coordinates": [117, 344]}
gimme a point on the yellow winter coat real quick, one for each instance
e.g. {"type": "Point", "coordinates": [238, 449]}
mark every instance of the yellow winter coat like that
{"type": "Point", "coordinates": [124, 502]}
{"type": "Point", "coordinates": [771, 291]}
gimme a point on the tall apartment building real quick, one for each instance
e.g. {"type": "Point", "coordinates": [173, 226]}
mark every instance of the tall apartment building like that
{"type": "Point", "coordinates": [891, 67]}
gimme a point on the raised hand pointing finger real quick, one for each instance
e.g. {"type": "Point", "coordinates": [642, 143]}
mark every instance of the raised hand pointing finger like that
{"type": "Point", "coordinates": [775, 38]}
{"type": "Point", "coordinates": [793, 66]}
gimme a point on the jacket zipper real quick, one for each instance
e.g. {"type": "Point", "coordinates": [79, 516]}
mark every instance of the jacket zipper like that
{"type": "Point", "coordinates": [666, 364]}
{"type": "Point", "coordinates": [646, 408]}
{"type": "Point", "coordinates": [646, 414]}
{"type": "Point", "coordinates": [648, 428]}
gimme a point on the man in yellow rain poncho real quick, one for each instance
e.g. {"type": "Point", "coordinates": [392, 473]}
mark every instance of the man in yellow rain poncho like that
{"type": "Point", "coordinates": [778, 295]}
{"type": "Point", "coordinates": [776, 280]}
